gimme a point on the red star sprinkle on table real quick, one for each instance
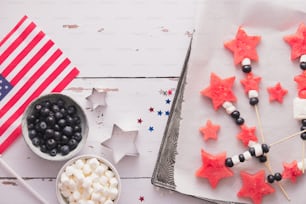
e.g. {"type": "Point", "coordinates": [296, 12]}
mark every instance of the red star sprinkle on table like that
{"type": "Point", "coordinates": [139, 120]}
{"type": "Point", "coordinates": [243, 46]}
{"type": "Point", "coordinates": [254, 186]}
{"type": "Point", "coordinates": [297, 42]}
{"type": "Point", "coordinates": [209, 131]}
{"type": "Point", "coordinates": [151, 109]}
{"type": "Point", "coordinates": [291, 171]}
{"type": "Point", "coordinates": [277, 93]}
{"type": "Point", "coordinates": [301, 82]}
{"type": "Point", "coordinates": [247, 134]}
{"type": "Point", "coordinates": [141, 198]}
{"type": "Point", "coordinates": [250, 82]}
{"type": "Point", "coordinates": [213, 168]}
{"type": "Point", "coordinates": [220, 90]}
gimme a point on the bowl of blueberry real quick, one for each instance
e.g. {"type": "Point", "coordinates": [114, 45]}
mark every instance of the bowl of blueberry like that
{"type": "Point", "coordinates": [55, 127]}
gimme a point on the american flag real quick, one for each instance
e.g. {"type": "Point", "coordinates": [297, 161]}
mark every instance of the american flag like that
{"type": "Point", "coordinates": [30, 65]}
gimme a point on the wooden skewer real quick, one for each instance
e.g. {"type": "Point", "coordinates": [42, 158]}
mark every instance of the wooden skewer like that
{"type": "Point", "coordinates": [303, 156]}
{"type": "Point", "coordinates": [287, 138]}
{"type": "Point", "coordinates": [21, 180]}
{"type": "Point", "coordinates": [267, 163]}
{"type": "Point", "coordinates": [259, 123]}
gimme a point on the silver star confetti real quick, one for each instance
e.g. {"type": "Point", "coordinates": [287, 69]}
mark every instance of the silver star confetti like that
{"type": "Point", "coordinates": [96, 99]}
{"type": "Point", "coordinates": [122, 143]}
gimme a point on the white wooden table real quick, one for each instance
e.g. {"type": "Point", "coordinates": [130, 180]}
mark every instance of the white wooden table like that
{"type": "Point", "coordinates": [133, 49]}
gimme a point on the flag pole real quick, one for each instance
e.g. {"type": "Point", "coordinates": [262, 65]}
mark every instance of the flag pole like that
{"type": "Point", "coordinates": [22, 181]}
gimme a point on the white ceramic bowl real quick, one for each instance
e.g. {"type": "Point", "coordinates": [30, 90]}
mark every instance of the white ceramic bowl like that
{"type": "Point", "coordinates": [73, 163]}
{"type": "Point", "coordinates": [80, 112]}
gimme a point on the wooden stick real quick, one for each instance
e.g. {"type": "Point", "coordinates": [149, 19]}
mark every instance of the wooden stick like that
{"type": "Point", "coordinates": [21, 180]}
{"type": "Point", "coordinates": [268, 165]}
{"type": "Point", "coordinates": [303, 156]}
{"type": "Point", "coordinates": [287, 138]}
{"type": "Point", "coordinates": [259, 123]}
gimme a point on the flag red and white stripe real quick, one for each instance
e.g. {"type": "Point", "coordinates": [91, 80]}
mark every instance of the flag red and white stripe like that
{"type": "Point", "coordinates": [31, 65]}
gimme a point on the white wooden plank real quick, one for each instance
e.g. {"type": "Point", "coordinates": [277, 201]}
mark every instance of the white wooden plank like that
{"type": "Point", "coordinates": [128, 100]}
{"type": "Point", "coordinates": [132, 190]}
{"type": "Point", "coordinates": [112, 38]}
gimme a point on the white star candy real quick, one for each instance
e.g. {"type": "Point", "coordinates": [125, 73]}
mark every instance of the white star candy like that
{"type": "Point", "coordinates": [122, 143]}
{"type": "Point", "coordinates": [96, 99]}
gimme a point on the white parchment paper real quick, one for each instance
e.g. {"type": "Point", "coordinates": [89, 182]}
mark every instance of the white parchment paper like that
{"type": "Point", "coordinates": [217, 23]}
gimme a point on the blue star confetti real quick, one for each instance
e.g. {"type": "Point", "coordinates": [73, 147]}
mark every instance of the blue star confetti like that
{"type": "Point", "coordinates": [167, 113]}
{"type": "Point", "coordinates": [159, 113]}
{"type": "Point", "coordinates": [168, 101]}
{"type": "Point", "coordinates": [151, 129]}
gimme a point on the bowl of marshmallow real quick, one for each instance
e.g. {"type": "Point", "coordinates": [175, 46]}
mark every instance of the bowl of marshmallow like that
{"type": "Point", "coordinates": [88, 179]}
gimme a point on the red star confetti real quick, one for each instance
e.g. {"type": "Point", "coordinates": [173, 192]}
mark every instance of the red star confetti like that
{"type": "Point", "coordinates": [219, 90]}
{"type": "Point", "coordinates": [209, 131]}
{"type": "Point", "coordinates": [297, 42]}
{"type": "Point", "coordinates": [301, 82]}
{"type": "Point", "coordinates": [139, 120]}
{"type": "Point", "coordinates": [291, 171]}
{"type": "Point", "coordinates": [250, 82]}
{"type": "Point", "coordinates": [277, 93]}
{"type": "Point", "coordinates": [141, 198]}
{"type": "Point", "coordinates": [243, 46]}
{"type": "Point", "coordinates": [213, 168]}
{"type": "Point", "coordinates": [151, 109]}
{"type": "Point", "coordinates": [169, 92]}
{"type": "Point", "coordinates": [247, 134]}
{"type": "Point", "coordinates": [254, 186]}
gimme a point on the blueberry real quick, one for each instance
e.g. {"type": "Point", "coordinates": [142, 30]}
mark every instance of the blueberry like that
{"type": "Point", "coordinates": [32, 133]}
{"type": "Point", "coordinates": [43, 148]}
{"type": "Point", "coordinates": [77, 120]}
{"type": "Point", "coordinates": [49, 133]}
{"type": "Point", "coordinates": [72, 143]}
{"type": "Point", "coordinates": [58, 115]}
{"type": "Point", "coordinates": [64, 139]}
{"type": "Point", "coordinates": [57, 136]}
{"type": "Point", "coordinates": [69, 120]}
{"type": "Point", "coordinates": [77, 128]}
{"type": "Point", "coordinates": [65, 150]}
{"type": "Point", "coordinates": [63, 110]}
{"type": "Point", "coordinates": [35, 141]}
{"type": "Point", "coordinates": [51, 143]}
{"type": "Point", "coordinates": [68, 130]}
{"type": "Point", "coordinates": [45, 111]}
{"type": "Point", "coordinates": [53, 152]}
{"type": "Point", "coordinates": [55, 108]}
{"type": "Point", "coordinates": [56, 127]}
{"type": "Point", "coordinates": [50, 120]}
{"type": "Point", "coordinates": [60, 102]}
{"type": "Point", "coordinates": [61, 122]}
{"type": "Point", "coordinates": [37, 108]}
{"type": "Point", "coordinates": [42, 126]}
{"type": "Point", "coordinates": [71, 110]}
{"type": "Point", "coordinates": [77, 136]}
{"type": "Point", "coordinates": [31, 118]}
{"type": "Point", "coordinates": [31, 126]}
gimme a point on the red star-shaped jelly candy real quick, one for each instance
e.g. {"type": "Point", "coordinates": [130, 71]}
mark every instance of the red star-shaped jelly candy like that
{"type": "Point", "coordinates": [250, 82]}
{"type": "Point", "coordinates": [213, 168]}
{"type": "Point", "coordinates": [219, 90]}
{"type": "Point", "coordinates": [247, 134]}
{"type": "Point", "coordinates": [277, 93]}
{"type": "Point", "coordinates": [254, 186]}
{"type": "Point", "coordinates": [291, 171]}
{"type": "Point", "coordinates": [209, 131]}
{"type": "Point", "coordinates": [243, 46]}
{"type": "Point", "coordinates": [297, 42]}
{"type": "Point", "coordinates": [301, 82]}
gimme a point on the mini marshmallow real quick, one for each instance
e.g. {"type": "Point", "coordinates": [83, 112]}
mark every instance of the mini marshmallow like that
{"type": "Point", "coordinates": [87, 183]}
{"type": "Point", "coordinates": [86, 169]}
{"type": "Point", "coordinates": [96, 196]}
{"type": "Point", "coordinates": [70, 170]}
{"type": "Point", "coordinates": [247, 155]}
{"type": "Point", "coordinates": [303, 58]}
{"type": "Point", "coordinates": [235, 159]}
{"type": "Point", "coordinates": [109, 174]}
{"type": "Point", "coordinates": [103, 180]}
{"type": "Point", "coordinates": [102, 199]}
{"type": "Point", "coordinates": [90, 202]}
{"type": "Point", "coordinates": [64, 178]}
{"type": "Point", "coordinates": [227, 104]}
{"type": "Point", "coordinates": [113, 193]}
{"type": "Point", "coordinates": [79, 163]}
{"type": "Point", "coordinates": [246, 61]}
{"type": "Point", "coordinates": [230, 109]}
{"type": "Point", "coordinates": [66, 193]}
{"type": "Point", "coordinates": [258, 150]}
{"type": "Point", "coordinates": [79, 176]}
{"type": "Point", "coordinates": [100, 169]}
{"type": "Point", "coordinates": [253, 94]}
{"type": "Point", "coordinates": [76, 195]}
{"type": "Point", "coordinates": [93, 163]}
{"type": "Point", "coordinates": [300, 165]}
{"type": "Point", "coordinates": [299, 108]}
{"type": "Point", "coordinates": [109, 202]}
{"type": "Point", "coordinates": [113, 182]}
